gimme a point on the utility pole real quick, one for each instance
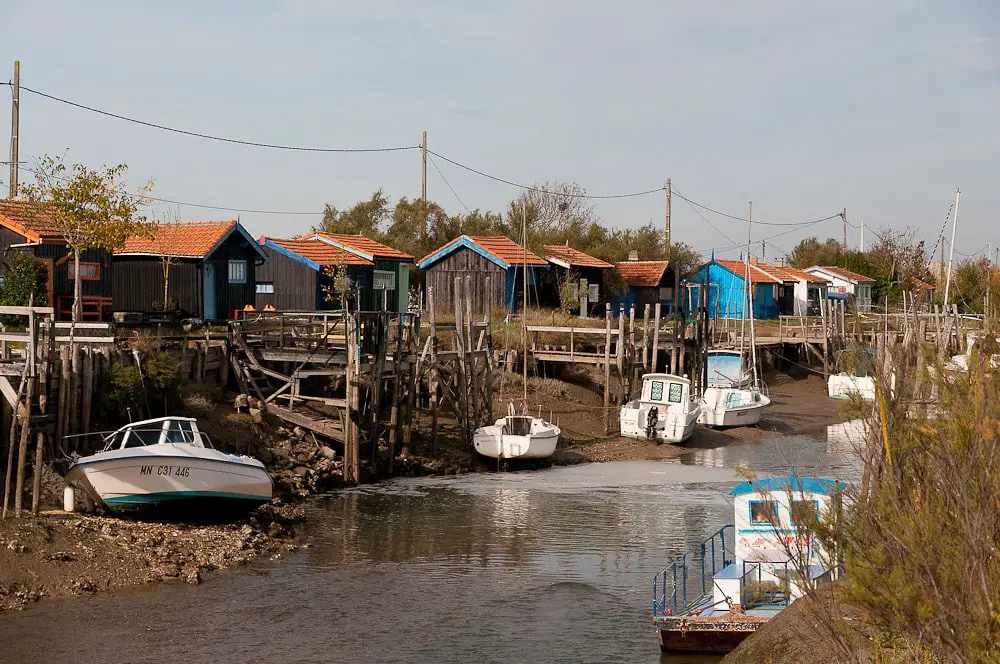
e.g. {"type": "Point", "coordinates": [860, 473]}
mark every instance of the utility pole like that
{"type": "Point", "coordinates": [14, 122]}
{"type": "Point", "coordinates": [666, 238]}
{"type": "Point", "coordinates": [763, 251]}
{"type": "Point", "coordinates": [862, 236]}
{"type": "Point", "coordinates": [951, 248]}
{"type": "Point", "coordinates": [423, 176]}
{"type": "Point", "coordinates": [843, 214]}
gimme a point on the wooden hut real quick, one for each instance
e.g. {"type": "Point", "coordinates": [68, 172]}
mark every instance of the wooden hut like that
{"type": "Point", "coordinates": [293, 277]}
{"type": "Point", "coordinates": [390, 279]}
{"type": "Point", "coordinates": [210, 266]}
{"type": "Point", "coordinates": [727, 289]}
{"type": "Point", "coordinates": [27, 227]}
{"type": "Point", "coordinates": [646, 282]}
{"type": "Point", "coordinates": [496, 258]}
{"type": "Point", "coordinates": [585, 271]}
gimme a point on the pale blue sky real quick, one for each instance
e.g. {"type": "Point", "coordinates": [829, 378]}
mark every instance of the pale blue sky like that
{"type": "Point", "coordinates": [804, 107]}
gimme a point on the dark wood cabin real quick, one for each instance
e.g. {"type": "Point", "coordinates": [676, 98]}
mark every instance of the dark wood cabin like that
{"type": "Point", "coordinates": [495, 266]}
{"type": "Point", "coordinates": [390, 278]}
{"type": "Point", "coordinates": [586, 272]}
{"type": "Point", "coordinates": [211, 268]}
{"type": "Point", "coordinates": [646, 282]}
{"type": "Point", "coordinates": [293, 278]}
{"type": "Point", "coordinates": [27, 227]}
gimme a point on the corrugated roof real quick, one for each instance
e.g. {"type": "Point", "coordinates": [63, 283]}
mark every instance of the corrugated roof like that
{"type": "Point", "coordinates": [843, 273]}
{"type": "Point", "coordinates": [28, 219]}
{"type": "Point", "coordinates": [757, 275]}
{"type": "Point", "coordinates": [503, 249]}
{"type": "Point", "coordinates": [573, 257]}
{"type": "Point", "coordinates": [319, 251]}
{"type": "Point", "coordinates": [642, 274]}
{"type": "Point", "coordinates": [193, 239]}
{"type": "Point", "coordinates": [364, 244]}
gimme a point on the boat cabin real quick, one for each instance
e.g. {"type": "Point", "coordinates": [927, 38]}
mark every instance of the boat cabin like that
{"type": "Point", "coordinates": [665, 410]}
{"type": "Point", "coordinates": [159, 431]}
{"type": "Point", "coordinates": [727, 368]}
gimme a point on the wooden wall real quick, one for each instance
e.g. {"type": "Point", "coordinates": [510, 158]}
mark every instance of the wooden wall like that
{"type": "Point", "coordinates": [464, 262]}
{"type": "Point", "coordinates": [296, 285]}
{"type": "Point", "coordinates": [230, 297]}
{"type": "Point", "coordinates": [137, 282]}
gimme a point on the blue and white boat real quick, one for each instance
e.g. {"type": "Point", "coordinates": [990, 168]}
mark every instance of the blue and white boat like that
{"type": "Point", "coordinates": [711, 599]}
{"type": "Point", "coordinates": [168, 460]}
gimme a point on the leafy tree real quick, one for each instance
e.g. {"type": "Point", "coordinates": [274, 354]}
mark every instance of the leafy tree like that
{"type": "Point", "coordinates": [409, 223]}
{"type": "Point", "coordinates": [972, 281]}
{"type": "Point", "coordinates": [368, 218]}
{"type": "Point", "coordinates": [811, 251]}
{"type": "Point", "coordinates": [894, 259]}
{"type": "Point", "coordinates": [90, 209]}
{"type": "Point", "coordinates": [684, 259]}
{"type": "Point", "coordinates": [24, 281]}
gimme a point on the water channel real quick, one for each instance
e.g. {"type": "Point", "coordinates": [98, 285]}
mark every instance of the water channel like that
{"type": "Point", "coordinates": [542, 566]}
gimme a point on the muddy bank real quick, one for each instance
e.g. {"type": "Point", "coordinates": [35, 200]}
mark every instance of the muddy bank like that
{"type": "Point", "coordinates": [62, 554]}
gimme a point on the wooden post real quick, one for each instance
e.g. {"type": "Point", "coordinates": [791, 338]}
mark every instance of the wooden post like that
{"type": "Point", "coordinates": [62, 412]}
{"type": "Point", "coordinates": [36, 484]}
{"type": "Point", "coordinates": [74, 394]}
{"type": "Point", "coordinates": [462, 386]}
{"type": "Point", "coordinates": [15, 416]}
{"type": "Point", "coordinates": [826, 338]}
{"type": "Point", "coordinates": [397, 369]}
{"type": "Point", "coordinates": [413, 375]}
{"type": "Point", "coordinates": [677, 352]}
{"type": "Point", "coordinates": [434, 373]}
{"type": "Point", "coordinates": [607, 367]}
{"type": "Point", "coordinates": [352, 459]}
{"type": "Point", "coordinates": [488, 338]}
{"type": "Point", "coordinates": [22, 452]}
{"type": "Point", "coordinates": [645, 338]}
{"type": "Point", "coordinates": [656, 337]}
{"type": "Point", "coordinates": [620, 352]}
{"type": "Point", "coordinates": [88, 390]}
{"type": "Point", "coordinates": [472, 364]}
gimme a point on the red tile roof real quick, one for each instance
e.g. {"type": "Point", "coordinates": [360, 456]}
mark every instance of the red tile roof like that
{"type": "Point", "coordinates": [923, 285]}
{"type": "Point", "coordinates": [502, 248]}
{"type": "Point", "coordinates": [573, 257]}
{"type": "Point", "coordinates": [757, 275]}
{"type": "Point", "coordinates": [787, 273]}
{"type": "Point", "coordinates": [28, 219]}
{"type": "Point", "coordinates": [642, 273]}
{"type": "Point", "coordinates": [181, 239]}
{"type": "Point", "coordinates": [320, 252]}
{"type": "Point", "coordinates": [843, 273]}
{"type": "Point", "coordinates": [364, 244]}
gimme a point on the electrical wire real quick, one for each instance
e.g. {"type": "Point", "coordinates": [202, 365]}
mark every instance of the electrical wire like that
{"type": "Point", "coordinates": [221, 139]}
{"type": "Point", "coordinates": [705, 219]}
{"type": "Point", "coordinates": [738, 218]}
{"type": "Point", "coordinates": [448, 184]}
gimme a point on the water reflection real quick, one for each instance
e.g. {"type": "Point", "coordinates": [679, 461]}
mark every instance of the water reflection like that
{"type": "Point", "coordinates": [547, 566]}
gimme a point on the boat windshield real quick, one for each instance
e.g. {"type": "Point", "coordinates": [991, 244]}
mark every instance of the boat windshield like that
{"type": "Point", "coordinates": [180, 431]}
{"type": "Point", "coordinates": [517, 425]}
{"type": "Point", "coordinates": [140, 437]}
{"type": "Point", "coordinates": [167, 431]}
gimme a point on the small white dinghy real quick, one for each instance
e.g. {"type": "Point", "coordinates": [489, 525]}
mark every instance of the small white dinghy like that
{"type": "Point", "coordinates": [167, 460]}
{"type": "Point", "coordinates": [665, 411]}
{"type": "Point", "coordinates": [732, 407]}
{"type": "Point", "coordinates": [856, 377]}
{"type": "Point", "coordinates": [517, 437]}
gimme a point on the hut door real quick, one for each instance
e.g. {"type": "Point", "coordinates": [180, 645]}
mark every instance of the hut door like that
{"type": "Point", "coordinates": [209, 274]}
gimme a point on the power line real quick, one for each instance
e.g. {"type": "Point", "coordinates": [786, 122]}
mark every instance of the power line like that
{"type": "Point", "coordinates": [759, 223]}
{"type": "Point", "coordinates": [705, 219]}
{"type": "Point", "coordinates": [537, 189]}
{"type": "Point", "coordinates": [221, 139]}
{"type": "Point", "coordinates": [452, 189]}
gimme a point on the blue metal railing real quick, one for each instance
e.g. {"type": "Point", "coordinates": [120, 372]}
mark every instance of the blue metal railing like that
{"type": "Point", "coordinates": [670, 586]}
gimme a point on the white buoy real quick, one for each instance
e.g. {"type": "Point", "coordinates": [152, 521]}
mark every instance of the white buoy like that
{"type": "Point", "coordinates": [69, 499]}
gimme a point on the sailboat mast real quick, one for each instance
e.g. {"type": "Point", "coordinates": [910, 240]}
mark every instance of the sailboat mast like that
{"type": "Point", "coordinates": [951, 249]}
{"type": "Point", "coordinates": [524, 305]}
{"type": "Point", "coordinates": [753, 339]}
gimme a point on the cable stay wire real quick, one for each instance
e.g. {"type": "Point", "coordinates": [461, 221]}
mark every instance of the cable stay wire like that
{"type": "Point", "coordinates": [448, 184]}
{"type": "Point", "coordinates": [211, 137]}
{"type": "Point", "coordinates": [675, 192]}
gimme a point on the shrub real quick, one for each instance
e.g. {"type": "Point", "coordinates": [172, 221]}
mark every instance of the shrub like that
{"type": "Point", "coordinates": [24, 276]}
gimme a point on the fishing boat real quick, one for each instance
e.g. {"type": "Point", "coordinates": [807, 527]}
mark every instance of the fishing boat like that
{"type": "Point", "coordinates": [665, 411]}
{"type": "Point", "coordinates": [727, 368]}
{"type": "Point", "coordinates": [856, 376]}
{"type": "Point", "coordinates": [746, 573]}
{"type": "Point", "coordinates": [732, 407]}
{"type": "Point", "coordinates": [517, 436]}
{"type": "Point", "coordinates": [167, 460]}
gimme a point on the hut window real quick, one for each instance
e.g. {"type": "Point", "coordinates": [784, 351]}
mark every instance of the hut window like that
{"type": "Point", "coordinates": [237, 272]}
{"type": "Point", "coordinates": [764, 511]}
{"type": "Point", "coordinates": [88, 271]}
{"type": "Point", "coordinates": [265, 287]}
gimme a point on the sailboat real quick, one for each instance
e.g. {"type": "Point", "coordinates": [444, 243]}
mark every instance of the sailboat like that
{"type": "Point", "coordinates": [519, 435]}
{"type": "Point", "coordinates": [731, 397]}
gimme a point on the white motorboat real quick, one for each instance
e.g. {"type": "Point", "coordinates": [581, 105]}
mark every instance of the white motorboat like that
{"type": "Point", "coordinates": [728, 368]}
{"type": "Point", "coordinates": [732, 407]}
{"type": "Point", "coordinates": [666, 411]}
{"type": "Point", "coordinates": [856, 378]}
{"type": "Point", "coordinates": [167, 460]}
{"type": "Point", "coordinates": [517, 437]}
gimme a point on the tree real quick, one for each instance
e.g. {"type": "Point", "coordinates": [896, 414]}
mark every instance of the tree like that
{"type": "Point", "coordinates": [89, 208]}
{"type": "Point", "coordinates": [367, 218]}
{"type": "Point", "coordinates": [24, 281]}
{"type": "Point", "coordinates": [409, 223]}
{"type": "Point", "coordinates": [894, 259]}
{"type": "Point", "coordinates": [811, 251]}
{"type": "Point", "coordinates": [684, 259]}
{"type": "Point", "coordinates": [555, 205]}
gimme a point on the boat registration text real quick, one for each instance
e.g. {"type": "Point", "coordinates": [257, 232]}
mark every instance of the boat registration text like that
{"type": "Point", "coordinates": [172, 471]}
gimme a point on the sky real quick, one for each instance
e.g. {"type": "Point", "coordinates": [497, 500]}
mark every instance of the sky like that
{"type": "Point", "coordinates": [805, 108]}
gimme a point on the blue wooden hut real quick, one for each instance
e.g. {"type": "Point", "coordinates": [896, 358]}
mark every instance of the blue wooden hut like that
{"type": "Point", "coordinates": [726, 290]}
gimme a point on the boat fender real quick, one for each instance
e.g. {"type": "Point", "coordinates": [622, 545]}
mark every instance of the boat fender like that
{"type": "Point", "coordinates": [69, 499]}
{"type": "Point", "coordinates": [652, 416]}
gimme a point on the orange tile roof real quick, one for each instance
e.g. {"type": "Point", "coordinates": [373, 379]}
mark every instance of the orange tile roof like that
{"type": "Point", "coordinates": [319, 251]}
{"type": "Point", "coordinates": [923, 285]}
{"type": "Point", "coordinates": [364, 244]}
{"type": "Point", "coordinates": [787, 273]}
{"type": "Point", "coordinates": [502, 248]}
{"type": "Point", "coordinates": [643, 273]}
{"type": "Point", "coordinates": [757, 275]}
{"type": "Point", "coordinates": [28, 219]}
{"type": "Point", "coordinates": [191, 239]}
{"type": "Point", "coordinates": [843, 273]}
{"type": "Point", "coordinates": [573, 257]}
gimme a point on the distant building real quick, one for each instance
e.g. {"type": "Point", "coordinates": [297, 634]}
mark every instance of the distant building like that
{"type": "Point", "coordinates": [586, 271]}
{"type": "Point", "coordinates": [391, 273]}
{"type": "Point", "coordinates": [923, 292]}
{"type": "Point", "coordinates": [293, 277]}
{"type": "Point", "coordinates": [495, 266]}
{"type": "Point", "coordinates": [646, 282]}
{"type": "Point", "coordinates": [799, 293]}
{"type": "Point", "coordinates": [727, 289]}
{"type": "Point", "coordinates": [212, 270]}
{"type": "Point", "coordinates": [845, 283]}
{"type": "Point", "coordinates": [28, 228]}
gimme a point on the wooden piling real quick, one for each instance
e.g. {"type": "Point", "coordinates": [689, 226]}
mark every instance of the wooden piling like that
{"type": "Point", "coordinates": [22, 452]}
{"type": "Point", "coordinates": [36, 484]}
{"type": "Point", "coordinates": [87, 390]}
{"type": "Point", "coordinates": [656, 337]}
{"type": "Point", "coordinates": [434, 373]}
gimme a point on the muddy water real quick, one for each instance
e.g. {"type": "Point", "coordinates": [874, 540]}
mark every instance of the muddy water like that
{"type": "Point", "coordinates": [543, 566]}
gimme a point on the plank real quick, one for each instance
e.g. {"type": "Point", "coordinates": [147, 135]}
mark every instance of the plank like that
{"type": "Point", "coordinates": [322, 427]}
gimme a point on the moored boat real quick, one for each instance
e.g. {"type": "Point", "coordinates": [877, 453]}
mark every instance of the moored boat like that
{"type": "Point", "coordinates": [168, 461]}
{"type": "Point", "coordinates": [666, 411]}
{"type": "Point", "coordinates": [746, 573]}
{"type": "Point", "coordinates": [732, 407]}
{"type": "Point", "coordinates": [517, 437]}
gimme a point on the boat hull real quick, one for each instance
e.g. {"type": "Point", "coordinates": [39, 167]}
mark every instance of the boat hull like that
{"type": "Point", "coordinates": [717, 413]}
{"type": "Point", "coordinates": [145, 477]}
{"type": "Point", "coordinates": [492, 442]}
{"type": "Point", "coordinates": [672, 428]}
{"type": "Point", "coordinates": [846, 386]}
{"type": "Point", "coordinates": [700, 642]}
